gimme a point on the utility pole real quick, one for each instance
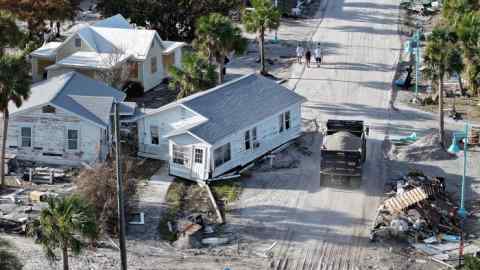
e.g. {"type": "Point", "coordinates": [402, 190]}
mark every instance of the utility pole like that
{"type": "Point", "coordinates": [120, 203]}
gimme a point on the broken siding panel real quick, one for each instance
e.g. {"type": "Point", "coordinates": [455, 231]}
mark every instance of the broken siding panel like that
{"type": "Point", "coordinates": [268, 137]}
{"type": "Point", "coordinates": [49, 137]}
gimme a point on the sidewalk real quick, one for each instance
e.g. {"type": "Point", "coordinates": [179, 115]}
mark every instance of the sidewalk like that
{"type": "Point", "coordinates": [152, 204]}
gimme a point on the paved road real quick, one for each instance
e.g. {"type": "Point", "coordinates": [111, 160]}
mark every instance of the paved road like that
{"type": "Point", "coordinates": [319, 226]}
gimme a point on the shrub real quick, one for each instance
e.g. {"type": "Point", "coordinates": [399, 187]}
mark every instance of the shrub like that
{"type": "Point", "coordinates": [98, 186]}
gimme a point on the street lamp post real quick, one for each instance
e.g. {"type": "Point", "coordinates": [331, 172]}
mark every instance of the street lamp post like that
{"type": "Point", "coordinates": [416, 39]}
{"type": "Point", "coordinates": [462, 213]}
{"type": "Point", "coordinates": [276, 37]}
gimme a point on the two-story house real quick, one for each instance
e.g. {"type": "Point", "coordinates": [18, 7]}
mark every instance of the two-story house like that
{"type": "Point", "coordinates": [109, 45]}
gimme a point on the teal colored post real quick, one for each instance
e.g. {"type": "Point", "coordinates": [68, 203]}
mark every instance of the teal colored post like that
{"type": "Point", "coordinates": [462, 211]}
{"type": "Point", "coordinates": [417, 60]}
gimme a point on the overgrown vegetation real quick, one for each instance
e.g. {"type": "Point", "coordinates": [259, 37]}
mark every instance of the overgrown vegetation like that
{"type": "Point", "coordinates": [195, 75]}
{"type": "Point", "coordinates": [98, 187]}
{"type": "Point", "coordinates": [173, 19]}
{"type": "Point", "coordinates": [227, 191]}
{"type": "Point", "coordinates": [8, 259]}
{"type": "Point", "coordinates": [471, 263]}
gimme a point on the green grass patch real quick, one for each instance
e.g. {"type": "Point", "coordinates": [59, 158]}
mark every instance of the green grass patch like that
{"type": "Point", "coordinates": [228, 191]}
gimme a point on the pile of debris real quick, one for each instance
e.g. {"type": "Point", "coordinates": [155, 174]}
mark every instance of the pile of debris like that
{"type": "Point", "coordinates": [419, 210]}
{"type": "Point", "coordinates": [19, 208]}
{"type": "Point", "coordinates": [195, 232]}
{"type": "Point", "coordinates": [426, 148]}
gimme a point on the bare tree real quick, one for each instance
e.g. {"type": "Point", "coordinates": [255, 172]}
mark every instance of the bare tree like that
{"type": "Point", "coordinates": [114, 68]}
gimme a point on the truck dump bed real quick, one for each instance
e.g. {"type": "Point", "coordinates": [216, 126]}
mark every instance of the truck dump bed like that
{"type": "Point", "coordinates": [343, 149]}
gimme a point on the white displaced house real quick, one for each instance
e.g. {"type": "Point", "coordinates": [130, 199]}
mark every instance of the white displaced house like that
{"type": "Point", "coordinates": [139, 55]}
{"type": "Point", "coordinates": [222, 129]}
{"type": "Point", "coordinates": [66, 121]}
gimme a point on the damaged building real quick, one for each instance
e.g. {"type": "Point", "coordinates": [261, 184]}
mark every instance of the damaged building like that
{"type": "Point", "coordinates": [66, 121]}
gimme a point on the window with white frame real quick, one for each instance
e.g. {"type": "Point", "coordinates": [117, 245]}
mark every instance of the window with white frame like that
{"type": "Point", "coordinates": [153, 64]}
{"type": "Point", "coordinates": [199, 156]}
{"type": "Point", "coordinates": [78, 43]}
{"type": "Point", "coordinates": [222, 154]}
{"type": "Point", "coordinates": [26, 136]}
{"type": "Point", "coordinates": [180, 154]}
{"type": "Point", "coordinates": [287, 119]}
{"type": "Point", "coordinates": [284, 121]}
{"type": "Point", "coordinates": [254, 138]}
{"type": "Point", "coordinates": [72, 139]}
{"type": "Point", "coordinates": [250, 139]}
{"type": "Point", "coordinates": [247, 140]}
{"type": "Point", "coordinates": [280, 123]}
{"type": "Point", "coordinates": [154, 135]}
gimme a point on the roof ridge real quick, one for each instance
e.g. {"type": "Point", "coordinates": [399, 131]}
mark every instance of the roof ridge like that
{"type": "Point", "coordinates": [215, 88]}
{"type": "Point", "coordinates": [71, 74]}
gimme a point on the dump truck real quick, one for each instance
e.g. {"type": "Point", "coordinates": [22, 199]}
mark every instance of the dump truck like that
{"type": "Point", "coordinates": [344, 147]}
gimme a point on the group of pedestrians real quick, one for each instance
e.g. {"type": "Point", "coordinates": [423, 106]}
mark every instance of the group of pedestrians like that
{"type": "Point", "coordinates": [308, 54]}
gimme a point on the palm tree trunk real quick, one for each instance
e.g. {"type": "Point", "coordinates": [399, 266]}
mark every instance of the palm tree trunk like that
{"type": "Point", "coordinates": [262, 51]}
{"type": "Point", "coordinates": [221, 77]}
{"type": "Point", "coordinates": [4, 147]}
{"type": "Point", "coordinates": [65, 257]}
{"type": "Point", "coordinates": [460, 83]}
{"type": "Point", "coordinates": [441, 127]}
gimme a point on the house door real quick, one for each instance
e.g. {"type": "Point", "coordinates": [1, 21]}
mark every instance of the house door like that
{"type": "Point", "coordinates": [198, 164]}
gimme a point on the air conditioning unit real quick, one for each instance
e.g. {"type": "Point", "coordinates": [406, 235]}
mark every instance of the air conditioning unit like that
{"type": "Point", "coordinates": [256, 144]}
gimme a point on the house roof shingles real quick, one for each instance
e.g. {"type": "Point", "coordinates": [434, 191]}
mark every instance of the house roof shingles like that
{"type": "Point", "coordinates": [74, 92]}
{"type": "Point", "coordinates": [239, 105]}
{"type": "Point", "coordinates": [234, 106]}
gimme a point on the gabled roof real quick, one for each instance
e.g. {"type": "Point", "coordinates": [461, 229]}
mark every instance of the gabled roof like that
{"type": "Point", "coordinates": [47, 50]}
{"type": "Point", "coordinates": [116, 35]}
{"type": "Point", "coordinates": [117, 21]}
{"type": "Point", "coordinates": [235, 106]}
{"type": "Point", "coordinates": [93, 60]}
{"type": "Point", "coordinates": [131, 41]}
{"type": "Point", "coordinates": [89, 99]}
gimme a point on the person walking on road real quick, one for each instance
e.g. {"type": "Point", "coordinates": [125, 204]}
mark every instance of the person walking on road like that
{"type": "Point", "coordinates": [308, 56]}
{"type": "Point", "coordinates": [299, 53]}
{"type": "Point", "coordinates": [318, 55]}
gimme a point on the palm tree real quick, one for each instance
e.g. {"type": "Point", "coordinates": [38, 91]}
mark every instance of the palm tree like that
{"type": "Point", "coordinates": [217, 37]}
{"type": "Point", "coordinates": [195, 75]}
{"type": "Point", "coordinates": [454, 10]}
{"type": "Point", "coordinates": [11, 34]}
{"type": "Point", "coordinates": [63, 223]}
{"type": "Point", "coordinates": [468, 31]}
{"type": "Point", "coordinates": [263, 17]}
{"type": "Point", "coordinates": [436, 59]}
{"type": "Point", "coordinates": [14, 89]}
